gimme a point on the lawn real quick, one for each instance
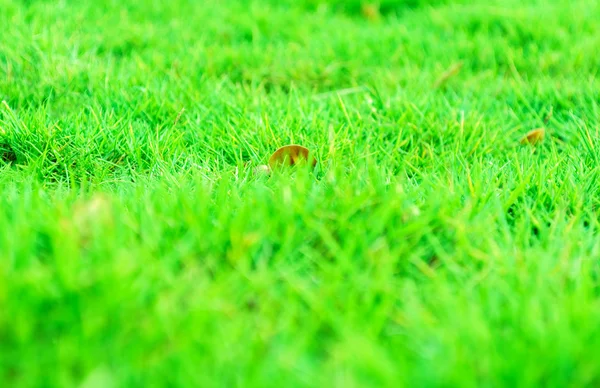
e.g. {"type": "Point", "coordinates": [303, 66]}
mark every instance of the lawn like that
{"type": "Point", "coordinates": [140, 246]}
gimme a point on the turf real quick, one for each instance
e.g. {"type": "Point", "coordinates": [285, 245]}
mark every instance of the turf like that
{"type": "Point", "coordinates": [429, 247]}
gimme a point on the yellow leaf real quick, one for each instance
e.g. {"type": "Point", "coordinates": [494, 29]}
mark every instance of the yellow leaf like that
{"type": "Point", "coordinates": [370, 11]}
{"type": "Point", "coordinates": [291, 155]}
{"type": "Point", "coordinates": [534, 137]}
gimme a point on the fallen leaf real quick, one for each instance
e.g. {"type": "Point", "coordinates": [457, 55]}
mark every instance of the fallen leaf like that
{"type": "Point", "coordinates": [291, 155]}
{"type": "Point", "coordinates": [534, 137]}
{"type": "Point", "coordinates": [371, 11]}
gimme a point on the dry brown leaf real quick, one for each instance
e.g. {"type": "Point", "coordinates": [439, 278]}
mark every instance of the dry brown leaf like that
{"type": "Point", "coordinates": [534, 137]}
{"type": "Point", "coordinates": [291, 155]}
{"type": "Point", "coordinates": [371, 11]}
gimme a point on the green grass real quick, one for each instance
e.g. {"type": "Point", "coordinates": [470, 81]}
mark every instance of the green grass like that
{"type": "Point", "coordinates": [428, 248]}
